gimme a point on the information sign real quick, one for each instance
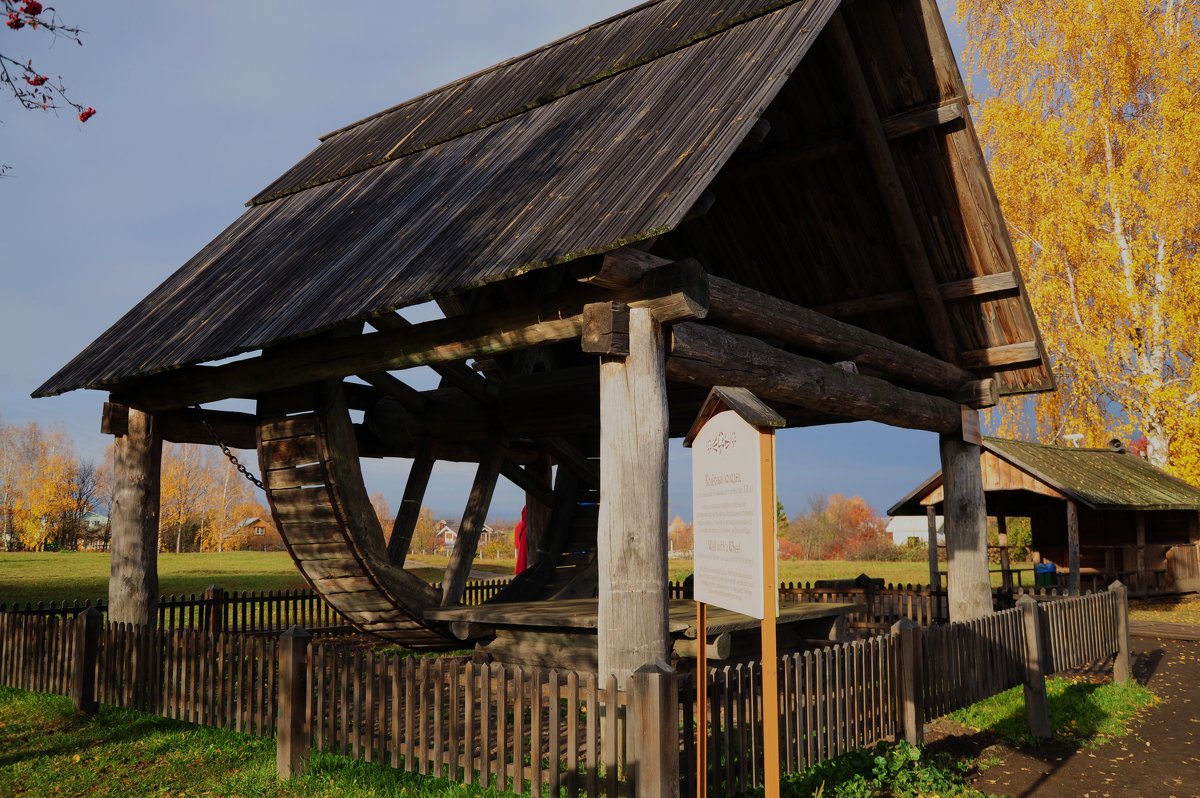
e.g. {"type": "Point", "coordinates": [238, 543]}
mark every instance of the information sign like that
{"type": "Point", "coordinates": [727, 514]}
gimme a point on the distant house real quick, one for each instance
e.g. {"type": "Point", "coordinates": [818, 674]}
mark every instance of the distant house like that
{"type": "Point", "coordinates": [1102, 514]}
{"type": "Point", "coordinates": [94, 523]}
{"type": "Point", "coordinates": [257, 534]}
{"type": "Point", "coordinates": [447, 536]}
{"type": "Point", "coordinates": [904, 527]}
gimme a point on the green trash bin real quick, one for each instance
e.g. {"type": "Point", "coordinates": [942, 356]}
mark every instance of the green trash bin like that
{"type": "Point", "coordinates": [1044, 574]}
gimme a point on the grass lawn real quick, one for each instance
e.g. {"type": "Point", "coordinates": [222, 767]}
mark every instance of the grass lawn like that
{"type": "Point", "coordinates": [54, 576]}
{"type": "Point", "coordinates": [1083, 712]}
{"type": "Point", "coordinates": [48, 750]}
{"type": "Point", "coordinates": [47, 576]}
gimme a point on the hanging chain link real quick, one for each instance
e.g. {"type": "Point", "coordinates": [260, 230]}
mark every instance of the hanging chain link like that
{"type": "Point", "coordinates": [232, 457]}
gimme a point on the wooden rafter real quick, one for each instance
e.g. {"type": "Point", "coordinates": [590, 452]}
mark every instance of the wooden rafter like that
{"type": "Point", "coordinates": [992, 286]}
{"type": "Point", "coordinates": [755, 164]}
{"type": "Point", "coordinates": [891, 191]}
{"type": "Point", "coordinates": [674, 293]}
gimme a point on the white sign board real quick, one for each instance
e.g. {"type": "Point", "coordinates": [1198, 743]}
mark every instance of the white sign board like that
{"type": "Point", "coordinates": [727, 505]}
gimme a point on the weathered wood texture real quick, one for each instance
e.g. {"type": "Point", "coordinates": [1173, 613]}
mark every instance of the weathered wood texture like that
{"type": "Point", "coordinates": [912, 671]}
{"type": "Point", "coordinates": [632, 532]}
{"type": "Point", "coordinates": [674, 292]}
{"type": "Point", "coordinates": [409, 511]}
{"type": "Point", "coordinates": [709, 356]}
{"type": "Point", "coordinates": [968, 582]}
{"type": "Point", "coordinates": [137, 459]}
{"type": "Point", "coordinates": [1037, 707]}
{"type": "Point", "coordinates": [293, 734]}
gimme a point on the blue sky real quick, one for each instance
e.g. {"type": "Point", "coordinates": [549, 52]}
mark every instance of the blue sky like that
{"type": "Point", "coordinates": [203, 104]}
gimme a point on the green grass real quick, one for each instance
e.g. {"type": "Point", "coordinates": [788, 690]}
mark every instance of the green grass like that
{"type": "Point", "coordinates": [1082, 712]}
{"type": "Point", "coordinates": [57, 576]}
{"type": "Point", "coordinates": [1169, 609]}
{"type": "Point", "coordinates": [46, 749]}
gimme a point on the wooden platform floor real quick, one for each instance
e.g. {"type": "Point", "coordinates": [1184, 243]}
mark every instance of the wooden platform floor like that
{"type": "Point", "coordinates": [582, 614]}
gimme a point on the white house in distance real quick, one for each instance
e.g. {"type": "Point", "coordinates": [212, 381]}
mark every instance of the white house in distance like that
{"type": "Point", "coordinates": [447, 536]}
{"type": "Point", "coordinates": [901, 528]}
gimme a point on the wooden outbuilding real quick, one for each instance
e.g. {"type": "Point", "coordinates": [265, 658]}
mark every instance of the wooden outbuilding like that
{"type": "Point", "coordinates": [1099, 514]}
{"type": "Point", "coordinates": [781, 195]}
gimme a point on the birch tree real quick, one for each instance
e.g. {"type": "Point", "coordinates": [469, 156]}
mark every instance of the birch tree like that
{"type": "Point", "coordinates": [1092, 129]}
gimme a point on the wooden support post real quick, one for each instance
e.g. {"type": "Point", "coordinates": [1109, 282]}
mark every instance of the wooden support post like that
{"type": "Point", "coordinates": [1073, 547]}
{"type": "Point", "coordinates": [1140, 523]}
{"type": "Point", "coordinates": [409, 511]}
{"type": "Point", "coordinates": [1123, 664]}
{"type": "Point", "coordinates": [632, 532]}
{"type": "Point", "coordinates": [133, 584]}
{"type": "Point", "coordinates": [912, 691]}
{"type": "Point", "coordinates": [772, 765]}
{"type": "Point", "coordinates": [293, 739]}
{"type": "Point", "coordinates": [653, 728]}
{"type": "Point", "coordinates": [87, 648]}
{"type": "Point", "coordinates": [214, 610]}
{"type": "Point", "coordinates": [968, 582]}
{"type": "Point", "coordinates": [1037, 710]}
{"type": "Point", "coordinates": [935, 579]}
{"type": "Point", "coordinates": [1005, 563]}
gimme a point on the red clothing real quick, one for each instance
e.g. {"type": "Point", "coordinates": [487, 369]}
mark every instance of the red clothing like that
{"type": "Point", "coordinates": [520, 543]}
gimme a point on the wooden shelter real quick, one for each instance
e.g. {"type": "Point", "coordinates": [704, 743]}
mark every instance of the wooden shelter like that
{"type": "Point", "coordinates": [689, 194]}
{"type": "Point", "coordinates": [1102, 514]}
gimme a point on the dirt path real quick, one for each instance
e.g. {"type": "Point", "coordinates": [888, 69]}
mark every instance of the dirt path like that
{"type": "Point", "coordinates": [1160, 758]}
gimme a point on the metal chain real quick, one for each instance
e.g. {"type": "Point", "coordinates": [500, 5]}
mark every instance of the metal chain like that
{"type": "Point", "coordinates": [232, 457]}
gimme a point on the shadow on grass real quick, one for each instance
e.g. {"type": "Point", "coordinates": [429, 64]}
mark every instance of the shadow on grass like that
{"type": "Point", "coordinates": [66, 732]}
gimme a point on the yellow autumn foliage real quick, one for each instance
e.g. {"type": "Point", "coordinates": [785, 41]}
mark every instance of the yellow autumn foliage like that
{"type": "Point", "coordinates": [1092, 129]}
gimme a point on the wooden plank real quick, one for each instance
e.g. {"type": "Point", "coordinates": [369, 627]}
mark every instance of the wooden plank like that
{"type": "Point", "coordinates": [1022, 353]}
{"type": "Point", "coordinates": [1073, 547]}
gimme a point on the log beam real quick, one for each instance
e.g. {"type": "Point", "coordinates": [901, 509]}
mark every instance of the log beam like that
{"type": "Point", "coordinates": [710, 356]}
{"type": "Point", "coordinates": [632, 532]}
{"type": "Point", "coordinates": [891, 191]}
{"type": "Point", "coordinates": [747, 310]}
{"type": "Point", "coordinates": [133, 584]}
{"type": "Point", "coordinates": [677, 292]}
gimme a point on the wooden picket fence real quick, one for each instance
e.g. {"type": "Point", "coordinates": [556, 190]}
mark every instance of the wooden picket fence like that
{"type": "Point", "coordinates": [832, 700]}
{"type": "Point", "coordinates": [524, 729]}
{"type": "Point", "coordinates": [538, 731]}
{"type": "Point", "coordinates": [37, 653]}
{"type": "Point", "coordinates": [234, 611]}
{"type": "Point", "coordinates": [967, 662]}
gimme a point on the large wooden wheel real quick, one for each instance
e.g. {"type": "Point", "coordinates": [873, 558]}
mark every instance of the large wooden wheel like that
{"type": "Point", "coordinates": [309, 459]}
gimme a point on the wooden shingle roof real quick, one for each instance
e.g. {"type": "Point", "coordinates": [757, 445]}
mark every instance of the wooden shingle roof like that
{"type": "Point", "coordinates": [607, 137]}
{"type": "Point", "coordinates": [1102, 479]}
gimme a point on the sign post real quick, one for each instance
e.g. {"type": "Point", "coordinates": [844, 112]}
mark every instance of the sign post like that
{"type": "Point", "coordinates": [734, 540]}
